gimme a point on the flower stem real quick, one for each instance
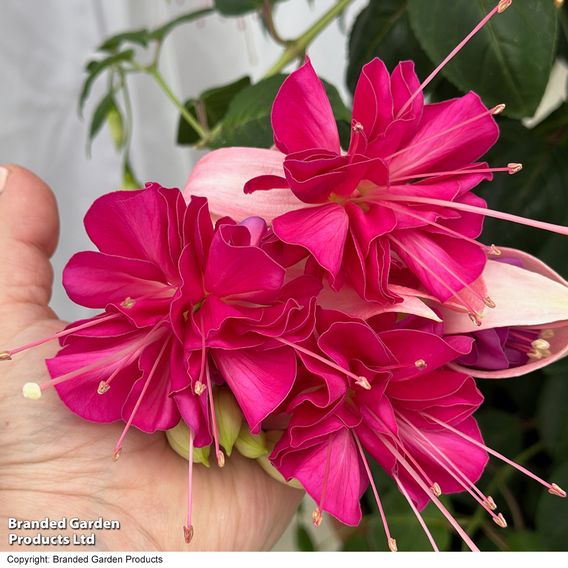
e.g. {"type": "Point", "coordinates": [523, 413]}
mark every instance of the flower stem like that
{"type": "Point", "coordinates": [297, 47]}
{"type": "Point", "coordinates": [155, 73]}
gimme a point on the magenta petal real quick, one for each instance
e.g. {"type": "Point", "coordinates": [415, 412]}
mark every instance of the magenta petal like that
{"type": "Point", "coordinates": [94, 279]}
{"type": "Point", "coordinates": [335, 464]}
{"type": "Point", "coordinates": [265, 183]}
{"type": "Point", "coordinates": [260, 380]}
{"type": "Point", "coordinates": [322, 230]}
{"type": "Point", "coordinates": [301, 115]}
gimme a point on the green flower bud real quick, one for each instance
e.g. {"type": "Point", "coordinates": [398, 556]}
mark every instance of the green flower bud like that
{"type": "Point", "coordinates": [251, 446]}
{"type": "Point", "coordinates": [178, 438]}
{"type": "Point", "coordinates": [272, 436]}
{"type": "Point", "coordinates": [229, 418]}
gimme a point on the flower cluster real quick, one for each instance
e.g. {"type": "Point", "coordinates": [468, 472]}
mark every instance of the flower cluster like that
{"type": "Point", "coordinates": [346, 306]}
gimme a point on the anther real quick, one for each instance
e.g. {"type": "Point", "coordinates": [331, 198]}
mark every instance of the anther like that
{"type": "Point", "coordinates": [128, 303]}
{"type": "Point", "coordinates": [187, 534]}
{"type": "Point", "coordinates": [489, 501]}
{"type": "Point", "coordinates": [5, 356]}
{"type": "Point", "coordinates": [420, 364]}
{"type": "Point", "coordinates": [31, 391]}
{"type": "Point", "coordinates": [392, 545]}
{"type": "Point", "coordinates": [116, 454]}
{"type": "Point", "coordinates": [500, 520]}
{"type": "Point", "coordinates": [317, 517]}
{"type": "Point", "coordinates": [103, 387]}
{"type": "Point", "coordinates": [489, 302]}
{"type": "Point", "coordinates": [363, 383]}
{"type": "Point", "coordinates": [503, 5]}
{"type": "Point", "coordinates": [199, 388]}
{"type": "Point", "coordinates": [436, 489]}
{"type": "Point", "coordinates": [556, 490]}
{"type": "Point", "coordinates": [475, 318]}
{"type": "Point", "coordinates": [514, 168]}
{"type": "Point", "coordinates": [494, 251]}
{"type": "Point", "coordinates": [357, 127]}
{"type": "Point", "coordinates": [498, 109]}
{"type": "Point", "coordinates": [546, 334]}
{"type": "Point", "coordinates": [540, 344]}
{"type": "Point", "coordinates": [220, 458]}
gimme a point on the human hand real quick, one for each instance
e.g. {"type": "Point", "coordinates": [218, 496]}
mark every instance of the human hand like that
{"type": "Point", "coordinates": [54, 464]}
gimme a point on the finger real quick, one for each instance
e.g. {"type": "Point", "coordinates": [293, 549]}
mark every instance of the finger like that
{"type": "Point", "coordinates": [29, 228]}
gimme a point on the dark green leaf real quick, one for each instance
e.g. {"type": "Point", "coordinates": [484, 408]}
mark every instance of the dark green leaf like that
{"type": "Point", "coordinates": [357, 542]}
{"type": "Point", "coordinates": [501, 430]}
{"type": "Point", "coordinates": [524, 541]}
{"type": "Point", "coordinates": [239, 7]}
{"type": "Point", "coordinates": [508, 61]}
{"type": "Point", "coordinates": [304, 541]}
{"type": "Point", "coordinates": [382, 30]}
{"type": "Point", "coordinates": [554, 128]}
{"type": "Point", "coordinates": [159, 33]}
{"type": "Point", "coordinates": [540, 191]}
{"type": "Point", "coordinates": [552, 415]}
{"type": "Point", "coordinates": [138, 37]}
{"type": "Point", "coordinates": [214, 103]}
{"type": "Point", "coordinates": [100, 115]}
{"type": "Point", "coordinates": [552, 517]}
{"type": "Point", "coordinates": [96, 67]}
{"type": "Point", "coordinates": [247, 122]}
{"type": "Point", "coordinates": [563, 32]}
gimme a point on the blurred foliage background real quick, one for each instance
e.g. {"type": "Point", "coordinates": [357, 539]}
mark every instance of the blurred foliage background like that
{"type": "Point", "coordinates": [510, 61]}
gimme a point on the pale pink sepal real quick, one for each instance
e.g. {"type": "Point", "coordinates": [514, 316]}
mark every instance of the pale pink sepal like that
{"type": "Point", "coordinates": [220, 176]}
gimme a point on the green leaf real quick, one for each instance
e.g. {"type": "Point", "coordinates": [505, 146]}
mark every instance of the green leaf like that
{"type": "Point", "coordinates": [159, 33]}
{"type": "Point", "coordinates": [304, 541]}
{"type": "Point", "coordinates": [214, 103]}
{"type": "Point", "coordinates": [501, 430]}
{"type": "Point", "coordinates": [551, 518]}
{"type": "Point", "coordinates": [508, 61]}
{"type": "Point", "coordinates": [100, 115]}
{"type": "Point", "coordinates": [239, 7]}
{"type": "Point", "coordinates": [540, 191]}
{"type": "Point", "coordinates": [552, 415]}
{"type": "Point", "coordinates": [247, 122]}
{"type": "Point", "coordinates": [138, 37]}
{"type": "Point", "coordinates": [96, 67]}
{"type": "Point", "coordinates": [524, 541]}
{"type": "Point", "coordinates": [383, 30]}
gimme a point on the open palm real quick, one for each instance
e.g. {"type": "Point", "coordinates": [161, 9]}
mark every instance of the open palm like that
{"type": "Point", "coordinates": [55, 464]}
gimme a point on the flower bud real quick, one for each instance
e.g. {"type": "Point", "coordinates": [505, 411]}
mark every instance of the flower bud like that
{"type": "Point", "coordinates": [272, 436]}
{"type": "Point", "coordinates": [251, 446]}
{"type": "Point", "coordinates": [178, 438]}
{"type": "Point", "coordinates": [229, 418]}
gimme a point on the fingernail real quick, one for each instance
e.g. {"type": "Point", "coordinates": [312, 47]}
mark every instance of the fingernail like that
{"type": "Point", "coordinates": [3, 178]}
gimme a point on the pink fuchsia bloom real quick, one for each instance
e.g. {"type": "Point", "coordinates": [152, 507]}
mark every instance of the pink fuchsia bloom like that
{"type": "Point", "coordinates": [379, 391]}
{"type": "Point", "coordinates": [529, 327]}
{"type": "Point", "coordinates": [236, 312]}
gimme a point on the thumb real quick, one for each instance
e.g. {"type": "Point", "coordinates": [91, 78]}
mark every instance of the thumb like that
{"type": "Point", "coordinates": [29, 228]}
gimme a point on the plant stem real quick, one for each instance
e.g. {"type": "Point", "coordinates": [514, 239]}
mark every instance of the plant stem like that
{"type": "Point", "coordinates": [297, 47]}
{"type": "Point", "coordinates": [154, 72]}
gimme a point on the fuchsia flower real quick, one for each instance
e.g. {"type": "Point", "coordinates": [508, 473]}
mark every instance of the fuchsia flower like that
{"type": "Point", "coordinates": [399, 197]}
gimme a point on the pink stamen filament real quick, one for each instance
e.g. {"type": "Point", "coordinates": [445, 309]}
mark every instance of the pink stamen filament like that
{"type": "Point", "coordinates": [61, 334]}
{"type": "Point", "coordinates": [390, 540]}
{"type": "Point", "coordinates": [317, 513]}
{"type": "Point", "coordinates": [319, 358]}
{"type": "Point", "coordinates": [479, 116]}
{"type": "Point", "coordinates": [218, 453]}
{"type": "Point", "coordinates": [118, 446]}
{"type": "Point", "coordinates": [465, 303]}
{"type": "Point", "coordinates": [456, 474]}
{"type": "Point", "coordinates": [500, 7]}
{"type": "Point", "coordinates": [428, 492]}
{"type": "Point", "coordinates": [451, 173]}
{"type": "Point", "coordinates": [447, 230]}
{"type": "Point", "coordinates": [188, 528]}
{"type": "Point", "coordinates": [479, 210]}
{"type": "Point", "coordinates": [417, 514]}
{"type": "Point", "coordinates": [549, 486]}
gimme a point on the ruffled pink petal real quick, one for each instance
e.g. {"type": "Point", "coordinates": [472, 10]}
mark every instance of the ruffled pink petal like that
{"type": "Point", "coordinates": [260, 380]}
{"type": "Point", "coordinates": [221, 175]}
{"type": "Point", "coordinates": [301, 115]}
{"type": "Point", "coordinates": [94, 279]}
{"type": "Point", "coordinates": [334, 463]}
{"type": "Point", "coordinates": [322, 230]}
